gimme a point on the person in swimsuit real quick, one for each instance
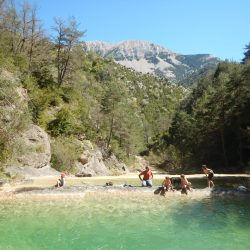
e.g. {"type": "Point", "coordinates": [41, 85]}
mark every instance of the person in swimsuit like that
{"type": "Point", "coordinates": [147, 177]}
{"type": "Point", "coordinates": [210, 175]}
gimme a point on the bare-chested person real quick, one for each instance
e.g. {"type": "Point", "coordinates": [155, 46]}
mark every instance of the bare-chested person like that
{"type": "Point", "coordinates": [210, 174]}
{"type": "Point", "coordinates": [185, 184]}
{"type": "Point", "coordinates": [167, 184]}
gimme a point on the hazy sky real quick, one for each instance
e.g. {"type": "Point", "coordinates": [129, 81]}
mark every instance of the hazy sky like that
{"type": "Point", "coordinates": [217, 27]}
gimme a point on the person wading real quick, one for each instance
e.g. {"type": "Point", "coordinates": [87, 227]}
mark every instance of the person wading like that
{"type": "Point", "coordinates": [210, 175]}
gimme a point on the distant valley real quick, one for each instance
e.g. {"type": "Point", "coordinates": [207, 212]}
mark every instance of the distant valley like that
{"type": "Point", "coordinates": [150, 58]}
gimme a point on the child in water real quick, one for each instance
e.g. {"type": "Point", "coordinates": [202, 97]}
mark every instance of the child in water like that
{"type": "Point", "coordinates": [185, 184]}
{"type": "Point", "coordinates": [167, 184]}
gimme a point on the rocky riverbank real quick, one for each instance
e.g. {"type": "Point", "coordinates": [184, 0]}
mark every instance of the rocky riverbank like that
{"type": "Point", "coordinates": [44, 186]}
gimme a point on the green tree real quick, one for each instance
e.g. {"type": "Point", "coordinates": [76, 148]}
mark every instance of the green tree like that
{"type": "Point", "coordinates": [246, 54]}
{"type": "Point", "coordinates": [67, 37]}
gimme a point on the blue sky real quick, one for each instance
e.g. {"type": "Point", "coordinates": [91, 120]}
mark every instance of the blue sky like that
{"type": "Point", "coordinates": [217, 27]}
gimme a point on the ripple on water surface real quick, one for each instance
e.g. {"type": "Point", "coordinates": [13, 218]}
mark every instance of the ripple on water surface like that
{"type": "Point", "coordinates": [123, 220]}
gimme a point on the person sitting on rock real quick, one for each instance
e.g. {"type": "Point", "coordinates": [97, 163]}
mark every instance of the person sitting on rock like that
{"type": "Point", "coordinates": [61, 181]}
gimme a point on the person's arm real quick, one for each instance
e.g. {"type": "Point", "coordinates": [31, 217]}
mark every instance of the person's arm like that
{"type": "Point", "coordinates": [210, 170]}
{"type": "Point", "coordinates": [140, 176]}
{"type": "Point", "coordinates": [152, 176]}
{"type": "Point", "coordinates": [186, 181]}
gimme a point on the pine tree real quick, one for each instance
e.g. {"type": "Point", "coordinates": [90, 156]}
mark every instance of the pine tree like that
{"type": "Point", "coordinates": [67, 37]}
{"type": "Point", "coordinates": [246, 54]}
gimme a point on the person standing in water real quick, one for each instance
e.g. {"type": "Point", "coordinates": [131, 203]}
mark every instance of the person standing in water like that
{"type": "Point", "coordinates": [185, 184]}
{"type": "Point", "coordinates": [210, 175]}
{"type": "Point", "coordinates": [147, 177]}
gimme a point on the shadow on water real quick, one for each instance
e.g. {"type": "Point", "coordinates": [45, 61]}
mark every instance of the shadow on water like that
{"type": "Point", "coordinates": [222, 219]}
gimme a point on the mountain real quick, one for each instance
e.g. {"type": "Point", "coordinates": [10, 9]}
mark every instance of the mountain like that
{"type": "Point", "coordinates": [147, 57]}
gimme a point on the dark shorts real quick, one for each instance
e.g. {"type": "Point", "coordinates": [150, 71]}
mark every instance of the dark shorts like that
{"type": "Point", "coordinates": [210, 176]}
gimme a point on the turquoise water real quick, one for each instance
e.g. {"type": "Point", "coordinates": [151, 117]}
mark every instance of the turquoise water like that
{"type": "Point", "coordinates": [124, 220]}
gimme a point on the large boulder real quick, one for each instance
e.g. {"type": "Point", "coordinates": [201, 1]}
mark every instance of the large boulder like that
{"type": "Point", "coordinates": [115, 166]}
{"type": "Point", "coordinates": [94, 161]}
{"type": "Point", "coordinates": [33, 155]}
{"type": "Point", "coordinates": [90, 162]}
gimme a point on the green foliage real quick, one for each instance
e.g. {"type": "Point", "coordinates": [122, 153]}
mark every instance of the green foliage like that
{"type": "Point", "coordinates": [14, 115]}
{"type": "Point", "coordinates": [64, 153]}
{"type": "Point", "coordinates": [5, 150]}
{"type": "Point", "coordinates": [63, 124]}
{"type": "Point", "coordinates": [67, 36]}
{"type": "Point", "coordinates": [71, 92]}
{"type": "Point", "coordinates": [246, 54]}
{"type": "Point", "coordinates": [211, 126]}
{"type": "Point", "coordinates": [44, 78]}
{"type": "Point", "coordinates": [7, 62]}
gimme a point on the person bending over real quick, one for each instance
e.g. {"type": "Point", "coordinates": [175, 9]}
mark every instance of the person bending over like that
{"type": "Point", "coordinates": [210, 175]}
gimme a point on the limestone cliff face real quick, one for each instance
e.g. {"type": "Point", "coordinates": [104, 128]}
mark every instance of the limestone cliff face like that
{"type": "Point", "coordinates": [33, 155]}
{"type": "Point", "coordinates": [93, 162]}
{"type": "Point", "coordinates": [147, 57]}
{"type": "Point", "coordinates": [28, 145]}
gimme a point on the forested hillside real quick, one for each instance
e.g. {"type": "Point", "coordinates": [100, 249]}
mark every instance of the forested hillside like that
{"type": "Point", "coordinates": [212, 125]}
{"type": "Point", "coordinates": [73, 94]}
{"type": "Point", "coordinates": [147, 57]}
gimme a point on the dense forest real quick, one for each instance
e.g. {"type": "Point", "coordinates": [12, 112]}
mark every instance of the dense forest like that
{"type": "Point", "coordinates": [212, 124]}
{"type": "Point", "coordinates": [72, 93]}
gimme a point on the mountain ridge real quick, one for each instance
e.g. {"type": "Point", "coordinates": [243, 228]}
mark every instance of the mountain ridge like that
{"type": "Point", "coordinates": [147, 57]}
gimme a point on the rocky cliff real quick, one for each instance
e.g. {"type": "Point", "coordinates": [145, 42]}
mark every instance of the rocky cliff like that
{"type": "Point", "coordinates": [28, 147]}
{"type": "Point", "coordinates": [150, 58]}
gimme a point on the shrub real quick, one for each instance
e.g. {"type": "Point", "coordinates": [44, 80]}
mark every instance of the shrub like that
{"type": "Point", "coordinates": [63, 124]}
{"type": "Point", "coordinates": [64, 153]}
{"type": "Point", "coordinates": [44, 78]}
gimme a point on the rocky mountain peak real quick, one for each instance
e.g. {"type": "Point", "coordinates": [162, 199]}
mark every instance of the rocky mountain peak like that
{"type": "Point", "coordinates": [131, 49]}
{"type": "Point", "coordinates": [147, 57]}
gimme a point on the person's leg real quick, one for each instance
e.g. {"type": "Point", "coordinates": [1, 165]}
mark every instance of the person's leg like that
{"type": "Point", "coordinates": [144, 183]}
{"type": "Point", "coordinates": [57, 183]}
{"type": "Point", "coordinates": [211, 183]}
{"type": "Point", "coordinates": [149, 183]}
{"type": "Point", "coordinates": [210, 180]}
{"type": "Point", "coordinates": [162, 191]}
{"type": "Point", "coordinates": [184, 190]}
